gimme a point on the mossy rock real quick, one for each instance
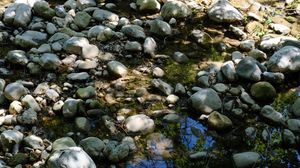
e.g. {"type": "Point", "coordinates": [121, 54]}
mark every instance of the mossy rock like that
{"type": "Point", "coordinates": [19, 158]}
{"type": "Point", "coordinates": [263, 91]}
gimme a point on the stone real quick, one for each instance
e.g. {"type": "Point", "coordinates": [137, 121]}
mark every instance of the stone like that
{"type": "Point", "coordinates": [294, 125]}
{"type": "Point", "coordinates": [206, 101]}
{"type": "Point", "coordinates": [18, 15]}
{"type": "Point", "coordinates": [263, 91]}
{"type": "Point", "coordinates": [117, 69]}
{"type": "Point", "coordinates": [59, 37]}
{"type": "Point", "coordinates": [133, 31]}
{"type": "Point", "coordinates": [247, 68]}
{"type": "Point", "coordinates": [228, 71]}
{"type": "Point", "coordinates": [180, 89]}
{"type": "Point", "coordinates": [280, 28]}
{"type": "Point", "coordinates": [63, 143]}
{"type": "Point", "coordinates": [175, 9]}
{"type": "Point", "coordinates": [70, 108]}
{"type": "Point", "coordinates": [50, 61]}
{"type": "Point", "coordinates": [85, 93]}
{"type": "Point", "coordinates": [15, 107]}
{"type": "Point", "coordinates": [90, 51]}
{"type": "Point", "coordinates": [73, 157]}
{"type": "Point", "coordinates": [41, 89]}
{"type": "Point", "coordinates": [75, 45]}
{"type": "Point", "coordinates": [223, 11]}
{"type": "Point", "coordinates": [180, 57]}
{"type": "Point", "coordinates": [82, 19]}
{"type": "Point", "coordinates": [119, 153]}
{"type": "Point", "coordinates": [44, 48]}
{"type": "Point", "coordinates": [247, 45]}
{"type": "Point", "coordinates": [219, 121]}
{"type": "Point", "coordinates": [52, 95]}
{"type": "Point", "coordinates": [86, 65]}
{"type": "Point", "coordinates": [161, 28]}
{"type": "Point", "coordinates": [158, 72]}
{"type": "Point", "coordinates": [148, 5]}
{"type": "Point", "coordinates": [257, 54]}
{"type": "Point", "coordinates": [288, 137]}
{"type": "Point", "coordinates": [93, 146]}
{"type": "Point", "coordinates": [102, 15]}
{"type": "Point", "coordinates": [42, 9]}
{"type": "Point", "coordinates": [34, 142]}
{"type": "Point", "coordinates": [30, 39]}
{"type": "Point", "coordinates": [220, 87]}
{"type": "Point", "coordinates": [28, 117]}
{"type": "Point", "coordinates": [245, 97]}
{"type": "Point", "coordinates": [201, 37]}
{"type": "Point", "coordinates": [95, 30]}
{"type": "Point", "coordinates": [2, 84]}
{"type": "Point", "coordinates": [295, 108]}
{"type": "Point", "coordinates": [133, 46]}
{"type": "Point", "coordinates": [162, 86]}
{"type": "Point", "coordinates": [272, 115]}
{"type": "Point", "coordinates": [17, 57]}
{"type": "Point", "coordinates": [82, 124]}
{"type": "Point", "coordinates": [269, 42]}
{"type": "Point", "coordinates": [29, 102]}
{"type": "Point", "coordinates": [139, 123]}
{"type": "Point", "coordinates": [246, 159]}
{"type": "Point", "coordinates": [10, 139]}
{"type": "Point", "coordinates": [171, 118]}
{"type": "Point", "coordinates": [273, 77]}
{"type": "Point", "coordinates": [14, 91]}
{"type": "Point", "coordinates": [285, 60]}
{"type": "Point", "coordinates": [149, 46]}
{"type": "Point", "coordinates": [80, 76]}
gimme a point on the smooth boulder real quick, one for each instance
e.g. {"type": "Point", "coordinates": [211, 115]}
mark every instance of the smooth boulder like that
{"type": "Point", "coordinates": [223, 11]}
{"type": "Point", "coordinates": [139, 123]}
{"type": "Point", "coordinates": [175, 9]}
{"type": "Point", "coordinates": [263, 91]}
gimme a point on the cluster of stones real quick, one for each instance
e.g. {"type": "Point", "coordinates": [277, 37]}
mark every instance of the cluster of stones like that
{"type": "Point", "coordinates": [64, 38]}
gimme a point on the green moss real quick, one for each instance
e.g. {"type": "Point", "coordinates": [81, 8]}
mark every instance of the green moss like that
{"type": "Point", "coordinates": [157, 106]}
{"type": "Point", "coordinates": [284, 99]}
{"type": "Point", "coordinates": [215, 55]}
{"type": "Point", "coordinates": [57, 126]}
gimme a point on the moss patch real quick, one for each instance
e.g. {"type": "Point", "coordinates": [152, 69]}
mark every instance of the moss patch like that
{"type": "Point", "coordinates": [284, 99]}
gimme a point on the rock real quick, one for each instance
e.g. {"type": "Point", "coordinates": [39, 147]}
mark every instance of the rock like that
{"type": "Point", "coordinates": [70, 108]}
{"type": "Point", "coordinates": [148, 5]}
{"type": "Point", "coordinates": [82, 19]}
{"type": "Point", "coordinates": [201, 37]}
{"type": "Point", "coordinates": [161, 28]}
{"type": "Point", "coordinates": [285, 60]}
{"type": "Point", "coordinates": [219, 121]}
{"type": "Point", "coordinates": [29, 102]}
{"type": "Point", "coordinates": [251, 132]}
{"type": "Point", "coordinates": [17, 57]}
{"type": "Point", "coordinates": [280, 28]}
{"type": "Point", "coordinates": [175, 9]}
{"type": "Point", "coordinates": [15, 107]}
{"type": "Point", "coordinates": [75, 45]}
{"type": "Point", "coordinates": [237, 56]}
{"type": "Point", "coordinates": [171, 118]}
{"type": "Point", "coordinates": [247, 45]}
{"type": "Point", "coordinates": [42, 9]}
{"type": "Point", "coordinates": [50, 61]}
{"type": "Point", "coordinates": [85, 93]}
{"type": "Point", "coordinates": [82, 124]}
{"type": "Point", "coordinates": [30, 39]}
{"type": "Point", "coordinates": [295, 109]}
{"type": "Point", "coordinates": [294, 125]}
{"type": "Point", "coordinates": [86, 65]}
{"type": "Point", "coordinates": [34, 68]}
{"type": "Point", "coordinates": [52, 95]}
{"type": "Point", "coordinates": [223, 11]}
{"type": "Point", "coordinates": [134, 31]}
{"type": "Point", "coordinates": [257, 54]}
{"type": "Point", "coordinates": [149, 46]}
{"type": "Point", "coordinates": [80, 76]}
{"type": "Point", "coordinates": [180, 89]}
{"type": "Point", "coordinates": [263, 91]}
{"type": "Point", "coordinates": [58, 105]}
{"type": "Point", "coordinates": [228, 71]}
{"type": "Point", "coordinates": [238, 32]}
{"type": "Point", "coordinates": [288, 137]}
{"type": "Point", "coordinates": [220, 87]}
{"type": "Point", "coordinates": [162, 86]}
{"type": "Point", "coordinates": [14, 91]}
{"type": "Point", "coordinates": [206, 101]}
{"type": "Point", "coordinates": [247, 68]}
{"type": "Point", "coordinates": [83, 4]}
{"type": "Point", "coordinates": [139, 123]}
{"type": "Point", "coordinates": [105, 16]}
{"type": "Point", "coordinates": [273, 77]}
{"type": "Point", "coordinates": [28, 117]}
{"type": "Point", "coordinates": [18, 15]}
{"type": "Point", "coordinates": [117, 68]}
{"type": "Point", "coordinates": [73, 157]}
{"type": "Point", "coordinates": [96, 30]}
{"type": "Point", "coordinates": [58, 37]}
{"type": "Point", "coordinates": [133, 46]}
{"type": "Point", "coordinates": [60, 10]}
{"type": "Point", "coordinates": [93, 146]}
{"type": "Point", "coordinates": [158, 72]}
{"type": "Point", "coordinates": [245, 97]}
{"type": "Point", "coordinates": [41, 89]}
{"type": "Point", "coordinates": [269, 42]}
{"type": "Point", "coordinates": [270, 114]}
{"type": "Point", "coordinates": [246, 159]}
{"type": "Point", "coordinates": [63, 143]}
{"type": "Point", "coordinates": [180, 57]}
{"type": "Point", "coordinates": [34, 142]}
{"type": "Point", "coordinates": [10, 139]}
{"type": "Point", "coordinates": [2, 84]}
{"type": "Point", "coordinates": [44, 48]}
{"type": "Point", "coordinates": [90, 51]}
{"type": "Point", "coordinates": [119, 153]}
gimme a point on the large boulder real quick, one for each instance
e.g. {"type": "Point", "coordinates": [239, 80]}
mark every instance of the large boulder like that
{"type": "Point", "coordinates": [206, 101]}
{"type": "Point", "coordinates": [263, 91]}
{"type": "Point", "coordinates": [175, 9]}
{"type": "Point", "coordinates": [247, 68]}
{"type": "Point", "coordinates": [139, 123]}
{"type": "Point", "coordinates": [17, 14]}
{"type": "Point", "coordinates": [42, 9]}
{"type": "Point", "coordinates": [30, 39]}
{"type": "Point", "coordinates": [148, 5]}
{"type": "Point", "coordinates": [223, 11]}
{"type": "Point", "coordinates": [285, 60]}
{"type": "Point", "coordinates": [10, 139]}
{"type": "Point", "coordinates": [73, 157]}
{"type": "Point", "coordinates": [219, 121]}
{"type": "Point", "coordinates": [14, 91]}
{"type": "Point", "coordinates": [246, 159]}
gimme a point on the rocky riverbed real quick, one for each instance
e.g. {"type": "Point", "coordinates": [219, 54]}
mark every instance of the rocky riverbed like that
{"type": "Point", "coordinates": [149, 83]}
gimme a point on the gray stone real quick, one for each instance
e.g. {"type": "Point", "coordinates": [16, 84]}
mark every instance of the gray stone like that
{"type": "Point", "coordinates": [280, 28]}
{"type": "Point", "coordinates": [172, 118]}
{"type": "Point", "coordinates": [87, 64]}
{"type": "Point", "coordinates": [250, 132]}
{"type": "Point", "coordinates": [82, 19]}
{"type": "Point", "coordinates": [70, 108]}
{"type": "Point", "coordinates": [105, 15]}
{"type": "Point", "coordinates": [219, 121]}
{"type": "Point", "coordinates": [201, 37]}
{"type": "Point", "coordinates": [52, 95]}
{"type": "Point", "coordinates": [247, 45]}
{"type": "Point", "coordinates": [85, 93]}
{"type": "Point", "coordinates": [34, 68]}
{"type": "Point", "coordinates": [180, 89]}
{"type": "Point", "coordinates": [133, 46]}
{"type": "Point", "coordinates": [246, 98]}
{"type": "Point", "coordinates": [14, 91]}
{"type": "Point", "coordinates": [134, 31]}
{"type": "Point", "coordinates": [158, 72]}
{"type": "Point", "coordinates": [10, 139]}
{"type": "Point", "coordinates": [273, 77]}
{"type": "Point", "coordinates": [60, 10]}
{"type": "Point", "coordinates": [80, 76]}
{"type": "Point", "coordinates": [73, 157]}
{"type": "Point", "coordinates": [30, 39]}
{"type": "Point", "coordinates": [41, 89]}
{"type": "Point", "coordinates": [28, 117]}
{"type": "Point", "coordinates": [220, 87]}
{"type": "Point", "coordinates": [34, 142]}
{"type": "Point", "coordinates": [96, 30]}
{"type": "Point", "coordinates": [162, 86]}
{"type": "Point", "coordinates": [42, 9]}
{"type": "Point", "coordinates": [149, 46]}
{"type": "Point", "coordinates": [247, 68]}
{"type": "Point", "coordinates": [75, 45]}
{"type": "Point", "coordinates": [63, 143]}
{"type": "Point", "coordinates": [294, 125]}
{"type": "Point", "coordinates": [56, 46]}
{"type": "Point", "coordinates": [50, 61]}
{"type": "Point", "coordinates": [139, 123]}
{"type": "Point", "coordinates": [119, 153]}
{"type": "Point", "coordinates": [257, 54]}
{"type": "Point", "coordinates": [148, 5]}
{"type": "Point", "coordinates": [82, 4]}
{"type": "Point", "coordinates": [295, 109]}
{"type": "Point", "coordinates": [15, 107]}
{"type": "Point", "coordinates": [246, 159]}
{"type": "Point", "coordinates": [17, 14]}
{"type": "Point", "coordinates": [29, 102]}
{"type": "Point", "coordinates": [161, 28]}
{"type": "Point", "coordinates": [92, 146]}
{"type": "Point", "coordinates": [285, 60]}
{"type": "Point", "coordinates": [90, 51]}
{"type": "Point", "coordinates": [288, 137]}
{"type": "Point", "coordinates": [44, 48]}
{"type": "Point", "coordinates": [180, 57]}
{"type": "Point", "coordinates": [272, 115]}
{"type": "Point", "coordinates": [228, 71]}
{"type": "Point", "coordinates": [2, 84]}
{"type": "Point", "coordinates": [82, 124]}
{"type": "Point", "coordinates": [117, 68]}
{"type": "Point", "coordinates": [223, 11]}
{"type": "Point", "coordinates": [59, 37]}
{"type": "Point", "coordinates": [17, 57]}
{"type": "Point", "coordinates": [206, 101]}
{"type": "Point", "coordinates": [175, 9]}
